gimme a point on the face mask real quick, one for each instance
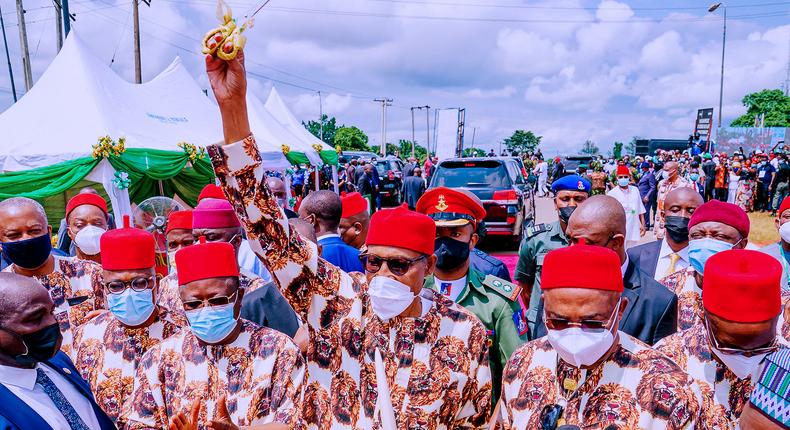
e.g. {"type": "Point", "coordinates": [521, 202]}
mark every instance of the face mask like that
{"type": "Point", "coordinates": [677, 228]}
{"type": "Point", "coordinates": [694, 177]}
{"type": "Point", "coordinates": [39, 346]}
{"type": "Point", "coordinates": [211, 324]}
{"type": "Point", "coordinates": [388, 297]}
{"type": "Point", "coordinates": [450, 253]}
{"type": "Point", "coordinates": [29, 253]}
{"type": "Point", "coordinates": [784, 232]}
{"type": "Point", "coordinates": [623, 182]}
{"type": "Point", "coordinates": [171, 259]}
{"type": "Point", "coordinates": [566, 212]}
{"type": "Point", "coordinates": [700, 250]}
{"type": "Point", "coordinates": [740, 365]}
{"type": "Point", "coordinates": [87, 239]}
{"type": "Point", "coordinates": [578, 347]}
{"type": "Point", "coordinates": [131, 307]}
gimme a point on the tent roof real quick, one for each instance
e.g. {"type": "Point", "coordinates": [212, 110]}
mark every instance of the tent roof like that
{"type": "Point", "coordinates": [283, 115]}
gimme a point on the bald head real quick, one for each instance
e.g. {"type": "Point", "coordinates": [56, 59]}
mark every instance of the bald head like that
{"type": "Point", "coordinates": [323, 210]}
{"type": "Point", "coordinates": [277, 186]}
{"type": "Point", "coordinates": [21, 219]}
{"type": "Point", "coordinates": [683, 195]}
{"type": "Point", "coordinates": [14, 205]}
{"type": "Point", "coordinates": [599, 221]}
{"type": "Point", "coordinates": [17, 293]}
{"type": "Point", "coordinates": [304, 228]}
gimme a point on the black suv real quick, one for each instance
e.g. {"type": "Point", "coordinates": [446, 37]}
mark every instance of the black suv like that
{"type": "Point", "coordinates": [391, 175]}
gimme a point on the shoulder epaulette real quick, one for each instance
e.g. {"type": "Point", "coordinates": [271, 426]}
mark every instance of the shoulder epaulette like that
{"type": "Point", "coordinates": [536, 229]}
{"type": "Point", "coordinates": [504, 288]}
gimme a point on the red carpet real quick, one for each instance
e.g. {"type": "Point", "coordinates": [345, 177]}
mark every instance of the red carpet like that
{"type": "Point", "coordinates": [510, 261]}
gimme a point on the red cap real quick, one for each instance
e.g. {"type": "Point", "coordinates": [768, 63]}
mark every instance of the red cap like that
{"type": "Point", "coordinates": [451, 207]}
{"type": "Point", "coordinates": [127, 248]}
{"type": "Point", "coordinates": [742, 285]}
{"type": "Point", "coordinates": [206, 261]}
{"type": "Point", "coordinates": [211, 191]}
{"type": "Point", "coordinates": [214, 213]}
{"type": "Point", "coordinates": [402, 228]}
{"type": "Point", "coordinates": [86, 199]}
{"type": "Point", "coordinates": [353, 204]}
{"type": "Point", "coordinates": [784, 206]}
{"type": "Point", "coordinates": [623, 170]}
{"type": "Point", "coordinates": [725, 213]}
{"type": "Point", "coordinates": [582, 266]}
{"type": "Point", "coordinates": [179, 220]}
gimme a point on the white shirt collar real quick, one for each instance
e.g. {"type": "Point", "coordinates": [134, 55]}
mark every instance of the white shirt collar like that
{"type": "Point", "coordinates": [18, 377]}
{"type": "Point", "coordinates": [327, 236]}
{"type": "Point", "coordinates": [624, 266]}
{"type": "Point", "coordinates": [666, 250]}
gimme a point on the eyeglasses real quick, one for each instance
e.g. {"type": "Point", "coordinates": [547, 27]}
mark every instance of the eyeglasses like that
{"type": "Point", "coordinates": [562, 324]}
{"type": "Point", "coordinates": [214, 301]}
{"type": "Point", "coordinates": [550, 416]}
{"type": "Point", "coordinates": [137, 284]}
{"type": "Point", "coordinates": [738, 351]}
{"type": "Point", "coordinates": [398, 266]}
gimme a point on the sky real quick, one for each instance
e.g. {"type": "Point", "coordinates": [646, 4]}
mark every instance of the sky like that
{"type": "Point", "coordinates": [569, 70]}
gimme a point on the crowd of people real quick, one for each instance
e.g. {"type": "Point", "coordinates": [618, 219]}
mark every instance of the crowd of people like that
{"type": "Point", "coordinates": [332, 317]}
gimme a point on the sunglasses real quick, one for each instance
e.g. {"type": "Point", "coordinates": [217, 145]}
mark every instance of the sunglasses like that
{"type": "Point", "coordinates": [737, 351]}
{"type": "Point", "coordinates": [398, 266]}
{"type": "Point", "coordinates": [562, 324]}
{"type": "Point", "coordinates": [136, 284]}
{"type": "Point", "coordinates": [214, 301]}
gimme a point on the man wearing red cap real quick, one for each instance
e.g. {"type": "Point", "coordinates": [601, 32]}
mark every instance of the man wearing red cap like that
{"type": "Point", "coordinates": [629, 198]}
{"type": "Point", "coordinates": [742, 305]}
{"type": "Point", "coordinates": [586, 372]}
{"type": "Point", "coordinates": [107, 349]}
{"type": "Point", "coordinates": [86, 221]}
{"type": "Point", "coordinates": [494, 300]}
{"type": "Point", "coordinates": [383, 350]}
{"type": "Point", "coordinates": [355, 220]}
{"type": "Point", "coordinates": [781, 250]}
{"type": "Point", "coordinates": [178, 234]}
{"type": "Point", "coordinates": [75, 285]}
{"type": "Point", "coordinates": [256, 371]}
{"type": "Point", "coordinates": [714, 227]}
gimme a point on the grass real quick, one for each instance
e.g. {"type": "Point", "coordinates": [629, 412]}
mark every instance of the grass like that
{"type": "Point", "coordinates": [763, 230]}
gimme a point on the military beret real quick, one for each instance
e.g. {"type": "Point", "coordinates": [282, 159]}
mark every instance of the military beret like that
{"type": "Point", "coordinates": [571, 183]}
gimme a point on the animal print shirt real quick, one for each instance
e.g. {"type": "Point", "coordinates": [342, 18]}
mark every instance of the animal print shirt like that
{"type": "Point", "coordinates": [261, 373]}
{"type": "Point", "coordinates": [684, 285]}
{"type": "Point", "coordinates": [635, 388]}
{"type": "Point", "coordinates": [106, 353]}
{"type": "Point", "coordinates": [725, 394]}
{"type": "Point", "coordinates": [75, 287]}
{"type": "Point", "coordinates": [437, 364]}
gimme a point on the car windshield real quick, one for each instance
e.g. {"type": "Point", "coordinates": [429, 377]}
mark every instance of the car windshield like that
{"type": "Point", "coordinates": [384, 166]}
{"type": "Point", "coordinates": [477, 174]}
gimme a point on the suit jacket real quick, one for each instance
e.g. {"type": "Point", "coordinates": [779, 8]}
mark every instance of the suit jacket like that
{"type": "Point", "coordinates": [17, 415]}
{"type": "Point", "coordinates": [651, 313]}
{"type": "Point", "coordinates": [365, 185]}
{"type": "Point", "coordinates": [647, 186]}
{"type": "Point", "coordinates": [340, 254]}
{"type": "Point", "coordinates": [267, 307]}
{"type": "Point", "coordinates": [645, 256]}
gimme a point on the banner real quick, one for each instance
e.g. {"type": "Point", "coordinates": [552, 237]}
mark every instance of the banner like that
{"type": "Point", "coordinates": [446, 133]}
{"type": "Point", "coordinates": [731, 139]}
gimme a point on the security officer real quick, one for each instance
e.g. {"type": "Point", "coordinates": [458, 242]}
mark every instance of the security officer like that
{"type": "Point", "coordinates": [493, 300]}
{"type": "Point", "coordinates": [569, 192]}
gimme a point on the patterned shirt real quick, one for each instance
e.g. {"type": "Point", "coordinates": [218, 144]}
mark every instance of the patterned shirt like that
{"type": "Point", "coordinates": [75, 287]}
{"type": "Point", "coordinates": [684, 285]}
{"type": "Point", "coordinates": [437, 364]}
{"type": "Point", "coordinates": [261, 373]}
{"type": "Point", "coordinates": [724, 393]}
{"type": "Point", "coordinates": [664, 188]}
{"type": "Point", "coordinates": [107, 354]}
{"type": "Point", "coordinates": [636, 387]}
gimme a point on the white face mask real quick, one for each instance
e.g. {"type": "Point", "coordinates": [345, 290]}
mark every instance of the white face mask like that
{"type": "Point", "coordinates": [740, 365]}
{"type": "Point", "coordinates": [784, 232]}
{"type": "Point", "coordinates": [388, 297]}
{"type": "Point", "coordinates": [579, 347]}
{"type": "Point", "coordinates": [87, 239]}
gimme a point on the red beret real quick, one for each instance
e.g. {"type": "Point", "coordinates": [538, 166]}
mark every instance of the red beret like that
{"type": "Point", "coordinates": [86, 199]}
{"type": "Point", "coordinates": [784, 206]}
{"type": "Point", "coordinates": [211, 191]}
{"type": "Point", "coordinates": [127, 248]}
{"type": "Point", "coordinates": [353, 204]}
{"type": "Point", "coordinates": [742, 285]}
{"type": "Point", "coordinates": [451, 207]}
{"type": "Point", "coordinates": [582, 266]}
{"type": "Point", "coordinates": [206, 261]}
{"type": "Point", "coordinates": [623, 170]}
{"type": "Point", "coordinates": [179, 220]}
{"type": "Point", "coordinates": [402, 228]}
{"type": "Point", "coordinates": [725, 213]}
{"type": "Point", "coordinates": [214, 213]}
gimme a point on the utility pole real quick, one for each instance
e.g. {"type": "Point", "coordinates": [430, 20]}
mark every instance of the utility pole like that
{"type": "Point", "coordinates": [412, 132]}
{"type": "Point", "coordinates": [20, 12]}
{"type": "Point", "coordinates": [66, 16]}
{"type": "Point", "coordinates": [138, 68]}
{"type": "Point", "coordinates": [428, 129]}
{"type": "Point", "coordinates": [474, 132]}
{"type": "Point", "coordinates": [8, 57]}
{"type": "Point", "coordinates": [58, 25]}
{"type": "Point", "coordinates": [384, 103]}
{"type": "Point", "coordinates": [320, 117]}
{"type": "Point", "coordinates": [712, 9]}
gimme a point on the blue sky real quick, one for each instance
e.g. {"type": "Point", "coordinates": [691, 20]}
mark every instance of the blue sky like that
{"type": "Point", "coordinates": [570, 70]}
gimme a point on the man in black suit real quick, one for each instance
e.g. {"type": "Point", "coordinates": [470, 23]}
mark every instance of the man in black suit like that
{"type": "Point", "coordinates": [652, 310]}
{"type": "Point", "coordinates": [669, 255]}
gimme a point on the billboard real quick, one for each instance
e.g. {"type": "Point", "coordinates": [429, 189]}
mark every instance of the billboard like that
{"type": "Point", "coordinates": [731, 139]}
{"type": "Point", "coordinates": [448, 132]}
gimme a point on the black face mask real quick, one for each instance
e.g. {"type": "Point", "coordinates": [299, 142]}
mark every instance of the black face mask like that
{"type": "Point", "coordinates": [40, 345]}
{"type": "Point", "coordinates": [566, 212]}
{"type": "Point", "coordinates": [28, 253]}
{"type": "Point", "coordinates": [677, 228]}
{"type": "Point", "coordinates": [450, 253]}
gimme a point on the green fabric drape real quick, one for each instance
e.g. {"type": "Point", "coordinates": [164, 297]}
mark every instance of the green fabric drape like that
{"type": "Point", "coordinates": [329, 157]}
{"type": "Point", "coordinates": [46, 181]}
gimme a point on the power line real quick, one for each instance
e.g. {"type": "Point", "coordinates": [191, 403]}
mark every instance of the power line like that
{"type": "Point", "coordinates": [589, 8]}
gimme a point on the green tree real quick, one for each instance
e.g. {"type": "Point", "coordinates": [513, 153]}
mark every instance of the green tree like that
{"type": "Point", "coordinates": [590, 148]}
{"type": "Point", "coordinates": [630, 147]}
{"type": "Point", "coordinates": [330, 128]}
{"type": "Point", "coordinates": [350, 139]}
{"type": "Point", "coordinates": [404, 149]}
{"type": "Point", "coordinates": [772, 103]}
{"type": "Point", "coordinates": [617, 150]}
{"type": "Point", "coordinates": [522, 141]}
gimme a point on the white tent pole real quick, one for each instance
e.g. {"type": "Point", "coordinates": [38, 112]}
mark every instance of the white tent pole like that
{"type": "Point", "coordinates": [317, 178]}
{"type": "Point", "coordinates": [104, 174]}
{"type": "Point", "coordinates": [334, 178]}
